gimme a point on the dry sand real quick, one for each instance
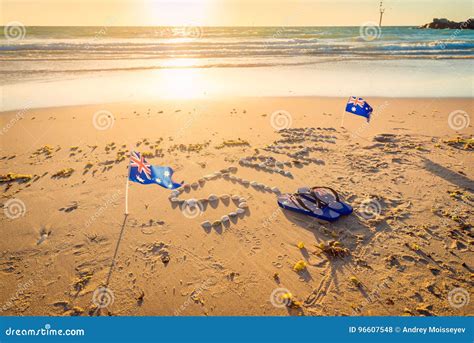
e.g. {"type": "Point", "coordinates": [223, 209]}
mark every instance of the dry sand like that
{"type": "Point", "coordinates": [405, 259]}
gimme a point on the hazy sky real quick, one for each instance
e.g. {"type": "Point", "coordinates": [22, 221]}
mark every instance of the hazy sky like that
{"type": "Point", "coordinates": [229, 12]}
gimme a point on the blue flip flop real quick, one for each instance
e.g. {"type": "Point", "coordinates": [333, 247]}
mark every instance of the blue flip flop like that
{"type": "Point", "coordinates": [328, 197]}
{"type": "Point", "coordinates": [297, 203]}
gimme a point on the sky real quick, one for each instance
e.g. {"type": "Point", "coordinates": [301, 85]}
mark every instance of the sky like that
{"type": "Point", "coordinates": [229, 12]}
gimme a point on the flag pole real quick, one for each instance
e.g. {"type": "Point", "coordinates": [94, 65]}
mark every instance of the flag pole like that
{"type": "Point", "coordinates": [344, 114]}
{"type": "Point", "coordinates": [127, 182]}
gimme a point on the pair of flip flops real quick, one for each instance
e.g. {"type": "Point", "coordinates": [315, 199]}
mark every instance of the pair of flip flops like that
{"type": "Point", "coordinates": [319, 202]}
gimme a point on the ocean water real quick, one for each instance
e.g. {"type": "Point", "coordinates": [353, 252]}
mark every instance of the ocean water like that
{"type": "Point", "coordinates": [92, 57]}
{"type": "Point", "coordinates": [78, 49]}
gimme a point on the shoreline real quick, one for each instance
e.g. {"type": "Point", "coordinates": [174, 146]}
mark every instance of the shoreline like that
{"type": "Point", "coordinates": [230, 98]}
{"type": "Point", "coordinates": [388, 78]}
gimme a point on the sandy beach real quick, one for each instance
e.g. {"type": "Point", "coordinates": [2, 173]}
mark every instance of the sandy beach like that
{"type": "Point", "coordinates": [406, 250]}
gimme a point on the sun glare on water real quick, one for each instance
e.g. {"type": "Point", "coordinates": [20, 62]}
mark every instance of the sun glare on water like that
{"type": "Point", "coordinates": [178, 83]}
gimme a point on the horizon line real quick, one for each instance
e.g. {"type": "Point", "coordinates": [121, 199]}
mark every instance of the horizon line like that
{"type": "Point", "coordinates": [214, 26]}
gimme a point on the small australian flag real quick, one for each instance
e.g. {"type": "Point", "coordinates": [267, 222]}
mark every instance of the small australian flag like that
{"type": "Point", "coordinates": [359, 106]}
{"type": "Point", "coordinates": [142, 172]}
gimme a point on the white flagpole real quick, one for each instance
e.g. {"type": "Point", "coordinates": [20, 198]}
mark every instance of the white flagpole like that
{"type": "Point", "coordinates": [342, 120]}
{"type": "Point", "coordinates": [344, 114]}
{"type": "Point", "coordinates": [126, 184]}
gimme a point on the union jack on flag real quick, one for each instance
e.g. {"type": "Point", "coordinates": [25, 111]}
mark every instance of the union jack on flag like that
{"type": "Point", "coordinates": [359, 106]}
{"type": "Point", "coordinates": [138, 161]}
{"type": "Point", "coordinates": [143, 172]}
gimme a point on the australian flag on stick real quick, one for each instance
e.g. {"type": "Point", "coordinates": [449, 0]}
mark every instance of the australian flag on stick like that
{"type": "Point", "coordinates": [142, 172]}
{"type": "Point", "coordinates": [359, 106]}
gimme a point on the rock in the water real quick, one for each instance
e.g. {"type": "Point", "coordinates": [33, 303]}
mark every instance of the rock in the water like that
{"type": "Point", "coordinates": [275, 190]}
{"type": "Point", "coordinates": [443, 23]}
{"type": "Point", "coordinates": [240, 211]}
{"type": "Point", "coordinates": [216, 223]}
{"type": "Point", "coordinates": [225, 219]}
{"type": "Point", "coordinates": [212, 198]}
{"type": "Point", "coordinates": [235, 197]}
{"type": "Point", "coordinates": [232, 169]}
{"type": "Point", "coordinates": [232, 214]}
{"type": "Point", "coordinates": [225, 196]}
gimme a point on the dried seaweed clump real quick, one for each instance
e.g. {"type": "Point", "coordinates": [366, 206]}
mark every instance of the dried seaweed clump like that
{"type": "Point", "coordinates": [299, 266]}
{"type": "Point", "coordinates": [334, 249]}
{"type": "Point", "coordinates": [14, 177]}
{"type": "Point", "coordinates": [461, 143]}
{"type": "Point", "coordinates": [197, 147]}
{"type": "Point", "coordinates": [233, 143]}
{"type": "Point", "coordinates": [46, 150]}
{"type": "Point", "coordinates": [63, 173]}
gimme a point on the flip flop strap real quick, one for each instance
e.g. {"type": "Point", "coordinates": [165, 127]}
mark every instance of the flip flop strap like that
{"type": "Point", "coordinates": [297, 201]}
{"type": "Point", "coordinates": [332, 190]}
